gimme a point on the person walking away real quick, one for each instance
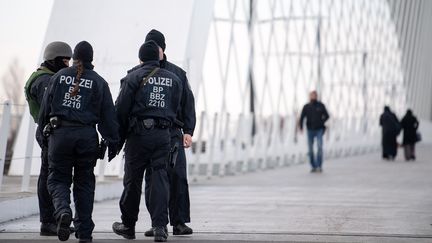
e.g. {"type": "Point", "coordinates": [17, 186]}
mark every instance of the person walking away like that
{"type": "Point", "coordinates": [181, 138]}
{"type": "Point", "coordinates": [77, 99]}
{"type": "Point", "coordinates": [409, 125]}
{"type": "Point", "coordinates": [316, 115]}
{"type": "Point", "coordinates": [390, 130]}
{"type": "Point", "coordinates": [146, 109]}
{"type": "Point", "coordinates": [56, 56]}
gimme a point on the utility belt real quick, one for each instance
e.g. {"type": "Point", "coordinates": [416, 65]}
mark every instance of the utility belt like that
{"type": "Point", "coordinates": [178, 124]}
{"type": "Point", "coordinates": [55, 123]}
{"type": "Point", "coordinates": [73, 124]}
{"type": "Point", "coordinates": [150, 123]}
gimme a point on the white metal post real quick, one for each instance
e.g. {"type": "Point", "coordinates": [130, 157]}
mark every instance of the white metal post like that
{"type": "Point", "coordinates": [28, 157]}
{"type": "Point", "coordinates": [224, 151]}
{"type": "Point", "coordinates": [238, 144]}
{"type": "Point", "coordinates": [212, 147]}
{"type": "Point", "coordinates": [249, 143]}
{"type": "Point", "coordinates": [199, 147]}
{"type": "Point", "coordinates": [102, 163]}
{"type": "Point", "coordinates": [121, 167]}
{"type": "Point", "coordinates": [4, 134]}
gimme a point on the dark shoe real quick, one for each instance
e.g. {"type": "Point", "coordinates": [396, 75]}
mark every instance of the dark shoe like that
{"type": "Point", "coordinates": [319, 170]}
{"type": "Point", "coordinates": [72, 229]}
{"type": "Point", "coordinates": [63, 230]}
{"type": "Point", "coordinates": [123, 230]}
{"type": "Point", "coordinates": [182, 229]}
{"type": "Point", "coordinates": [85, 240]}
{"type": "Point", "coordinates": [48, 229]}
{"type": "Point", "coordinates": [160, 234]}
{"type": "Point", "coordinates": [313, 170]}
{"type": "Point", "coordinates": [149, 233]}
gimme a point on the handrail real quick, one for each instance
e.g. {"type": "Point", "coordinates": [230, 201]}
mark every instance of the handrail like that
{"type": "Point", "coordinates": [4, 134]}
{"type": "Point", "coordinates": [224, 144]}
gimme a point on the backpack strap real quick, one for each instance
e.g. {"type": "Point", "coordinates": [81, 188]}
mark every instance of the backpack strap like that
{"type": "Point", "coordinates": [148, 76]}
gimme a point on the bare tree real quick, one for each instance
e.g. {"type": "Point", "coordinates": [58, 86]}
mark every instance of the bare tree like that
{"type": "Point", "coordinates": [13, 89]}
{"type": "Point", "coordinates": [13, 83]}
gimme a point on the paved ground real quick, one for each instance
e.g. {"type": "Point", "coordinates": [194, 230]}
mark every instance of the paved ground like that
{"type": "Point", "coordinates": [358, 199]}
{"type": "Point", "coordinates": [11, 188]}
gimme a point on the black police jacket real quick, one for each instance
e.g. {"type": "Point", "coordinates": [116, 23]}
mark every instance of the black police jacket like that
{"type": "Point", "coordinates": [186, 113]}
{"type": "Point", "coordinates": [92, 105]}
{"type": "Point", "coordinates": [158, 98]}
{"type": "Point", "coordinates": [316, 115]}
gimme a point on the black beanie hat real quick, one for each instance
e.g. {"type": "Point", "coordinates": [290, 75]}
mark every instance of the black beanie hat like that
{"type": "Point", "coordinates": [149, 51]}
{"type": "Point", "coordinates": [157, 37]}
{"type": "Point", "coordinates": [83, 51]}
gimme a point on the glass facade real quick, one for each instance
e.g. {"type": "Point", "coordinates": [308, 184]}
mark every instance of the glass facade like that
{"type": "Point", "coordinates": [277, 51]}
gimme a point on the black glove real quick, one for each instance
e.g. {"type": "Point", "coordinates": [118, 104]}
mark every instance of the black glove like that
{"type": "Point", "coordinates": [112, 151]}
{"type": "Point", "coordinates": [102, 149]}
{"type": "Point", "coordinates": [41, 139]}
{"type": "Point", "coordinates": [120, 145]}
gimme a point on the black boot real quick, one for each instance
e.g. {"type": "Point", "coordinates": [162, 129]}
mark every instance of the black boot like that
{"type": "Point", "coordinates": [48, 229]}
{"type": "Point", "coordinates": [149, 233]}
{"type": "Point", "coordinates": [182, 229]}
{"type": "Point", "coordinates": [85, 240]}
{"type": "Point", "coordinates": [63, 230]}
{"type": "Point", "coordinates": [123, 230]}
{"type": "Point", "coordinates": [72, 229]}
{"type": "Point", "coordinates": [160, 234]}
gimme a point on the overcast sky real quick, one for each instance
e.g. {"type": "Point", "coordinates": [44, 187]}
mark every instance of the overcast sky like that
{"type": "Point", "coordinates": [22, 30]}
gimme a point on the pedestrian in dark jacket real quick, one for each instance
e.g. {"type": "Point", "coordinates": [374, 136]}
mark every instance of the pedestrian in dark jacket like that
{"type": "Point", "coordinates": [316, 115]}
{"type": "Point", "coordinates": [409, 125]}
{"type": "Point", "coordinates": [390, 130]}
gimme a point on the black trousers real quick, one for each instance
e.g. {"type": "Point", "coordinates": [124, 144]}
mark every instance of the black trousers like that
{"type": "Point", "coordinates": [389, 145]}
{"type": "Point", "coordinates": [409, 151]}
{"type": "Point", "coordinates": [72, 157]}
{"type": "Point", "coordinates": [179, 203]}
{"type": "Point", "coordinates": [146, 150]}
{"type": "Point", "coordinates": [46, 207]}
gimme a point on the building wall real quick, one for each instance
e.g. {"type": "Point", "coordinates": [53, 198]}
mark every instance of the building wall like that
{"type": "Point", "coordinates": [412, 19]}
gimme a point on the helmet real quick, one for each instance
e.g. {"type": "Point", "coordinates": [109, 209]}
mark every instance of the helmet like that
{"type": "Point", "coordinates": [57, 49]}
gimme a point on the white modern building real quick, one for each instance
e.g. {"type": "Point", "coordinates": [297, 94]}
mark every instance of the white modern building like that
{"type": "Point", "coordinates": [251, 65]}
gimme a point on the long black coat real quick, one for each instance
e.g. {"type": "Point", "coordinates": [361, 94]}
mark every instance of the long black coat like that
{"type": "Point", "coordinates": [390, 130]}
{"type": "Point", "coordinates": [409, 125]}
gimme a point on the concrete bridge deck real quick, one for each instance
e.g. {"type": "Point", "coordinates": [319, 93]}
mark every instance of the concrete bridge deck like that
{"type": "Point", "coordinates": [357, 199]}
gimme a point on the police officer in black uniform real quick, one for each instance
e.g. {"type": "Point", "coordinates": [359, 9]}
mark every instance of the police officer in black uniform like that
{"type": "Point", "coordinates": [181, 137]}
{"type": "Point", "coordinates": [56, 57]}
{"type": "Point", "coordinates": [146, 108]}
{"type": "Point", "coordinates": [76, 100]}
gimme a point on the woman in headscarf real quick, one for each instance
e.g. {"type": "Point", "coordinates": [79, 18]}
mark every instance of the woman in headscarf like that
{"type": "Point", "coordinates": [390, 130]}
{"type": "Point", "coordinates": [409, 125]}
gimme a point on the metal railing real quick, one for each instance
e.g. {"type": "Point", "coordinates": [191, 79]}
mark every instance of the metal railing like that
{"type": "Point", "coordinates": [224, 144]}
{"type": "Point", "coordinates": [4, 135]}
